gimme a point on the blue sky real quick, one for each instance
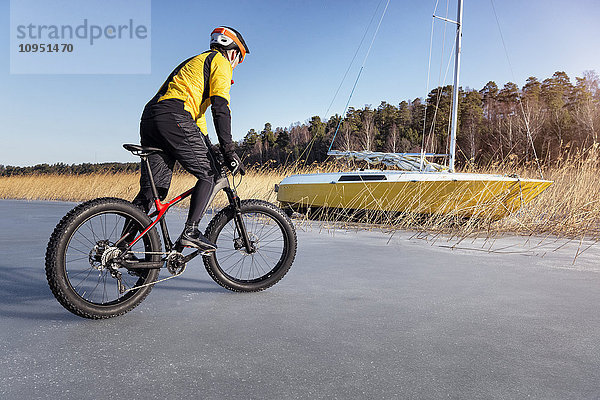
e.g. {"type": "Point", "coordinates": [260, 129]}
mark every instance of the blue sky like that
{"type": "Point", "coordinates": [299, 53]}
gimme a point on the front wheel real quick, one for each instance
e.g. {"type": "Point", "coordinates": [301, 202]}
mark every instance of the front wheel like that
{"type": "Point", "coordinates": [273, 247]}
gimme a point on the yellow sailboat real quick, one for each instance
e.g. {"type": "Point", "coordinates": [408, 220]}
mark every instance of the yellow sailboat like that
{"type": "Point", "coordinates": [461, 194]}
{"type": "Point", "coordinates": [420, 186]}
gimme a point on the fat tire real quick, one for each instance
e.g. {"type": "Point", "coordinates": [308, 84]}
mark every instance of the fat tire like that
{"type": "Point", "coordinates": [219, 221]}
{"type": "Point", "coordinates": [56, 250]}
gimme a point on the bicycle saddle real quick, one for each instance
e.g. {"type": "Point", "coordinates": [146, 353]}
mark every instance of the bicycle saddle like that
{"type": "Point", "coordinates": [141, 151]}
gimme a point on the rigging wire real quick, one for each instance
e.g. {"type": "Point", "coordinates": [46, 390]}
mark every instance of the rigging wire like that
{"type": "Point", "coordinates": [308, 147]}
{"type": "Point", "coordinates": [425, 144]}
{"type": "Point", "coordinates": [440, 82]}
{"type": "Point", "coordinates": [519, 97]}
{"type": "Point", "coordinates": [439, 99]}
{"type": "Point", "coordinates": [353, 58]}
{"type": "Point", "coordinates": [449, 128]}
{"type": "Point", "coordinates": [359, 73]}
{"type": "Point", "coordinates": [427, 91]}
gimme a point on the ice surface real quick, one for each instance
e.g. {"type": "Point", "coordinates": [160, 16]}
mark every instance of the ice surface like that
{"type": "Point", "coordinates": [361, 314]}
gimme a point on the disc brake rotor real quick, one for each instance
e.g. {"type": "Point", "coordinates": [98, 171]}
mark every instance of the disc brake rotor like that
{"type": "Point", "coordinates": [238, 244]}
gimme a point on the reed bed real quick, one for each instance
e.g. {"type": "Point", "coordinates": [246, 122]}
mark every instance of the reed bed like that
{"type": "Point", "coordinates": [570, 208]}
{"type": "Point", "coordinates": [77, 188]}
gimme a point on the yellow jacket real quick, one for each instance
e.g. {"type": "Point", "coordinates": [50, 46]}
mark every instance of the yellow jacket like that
{"type": "Point", "coordinates": [196, 80]}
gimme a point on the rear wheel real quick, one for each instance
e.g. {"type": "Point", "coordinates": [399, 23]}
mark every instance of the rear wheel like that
{"type": "Point", "coordinates": [273, 240]}
{"type": "Point", "coordinates": [82, 258]}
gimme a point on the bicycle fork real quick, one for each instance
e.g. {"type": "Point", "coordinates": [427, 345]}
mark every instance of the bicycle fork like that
{"type": "Point", "coordinates": [240, 226]}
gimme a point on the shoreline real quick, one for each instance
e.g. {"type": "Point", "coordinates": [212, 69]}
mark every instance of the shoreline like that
{"type": "Point", "coordinates": [570, 208]}
{"type": "Point", "coordinates": [454, 240]}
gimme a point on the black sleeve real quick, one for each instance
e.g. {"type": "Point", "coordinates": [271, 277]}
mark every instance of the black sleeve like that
{"type": "Point", "coordinates": [222, 119]}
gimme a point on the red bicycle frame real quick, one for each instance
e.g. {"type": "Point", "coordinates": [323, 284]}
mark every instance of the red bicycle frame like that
{"type": "Point", "coordinates": [161, 210]}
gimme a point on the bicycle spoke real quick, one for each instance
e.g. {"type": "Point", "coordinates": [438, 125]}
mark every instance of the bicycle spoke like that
{"type": "Point", "coordinates": [89, 240]}
{"type": "Point", "coordinates": [269, 233]}
{"type": "Point", "coordinates": [255, 266]}
{"type": "Point", "coordinates": [269, 254]}
{"type": "Point", "coordinates": [272, 241]}
{"type": "Point", "coordinates": [248, 269]}
{"type": "Point", "coordinates": [114, 228]}
{"type": "Point", "coordinates": [229, 256]}
{"type": "Point", "coordinates": [260, 266]}
{"type": "Point", "coordinates": [85, 237]}
{"type": "Point", "coordinates": [91, 229]}
{"type": "Point", "coordinates": [103, 286]}
{"type": "Point", "coordinates": [263, 258]}
{"type": "Point", "coordinates": [251, 269]}
{"type": "Point", "coordinates": [78, 250]}
{"type": "Point", "coordinates": [234, 265]}
{"type": "Point", "coordinates": [84, 278]}
{"type": "Point", "coordinates": [78, 259]}
{"type": "Point", "coordinates": [241, 266]}
{"type": "Point", "coordinates": [97, 283]}
{"type": "Point", "coordinates": [103, 226]}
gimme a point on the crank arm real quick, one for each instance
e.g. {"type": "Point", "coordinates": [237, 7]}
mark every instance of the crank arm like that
{"type": "Point", "coordinates": [187, 258]}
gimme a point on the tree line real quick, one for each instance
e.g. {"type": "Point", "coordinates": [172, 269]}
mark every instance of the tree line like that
{"type": "Point", "coordinates": [493, 123]}
{"type": "Point", "coordinates": [69, 169]}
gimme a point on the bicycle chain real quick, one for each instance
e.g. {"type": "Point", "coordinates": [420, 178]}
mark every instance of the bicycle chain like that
{"type": "Point", "coordinates": [162, 253]}
{"type": "Point", "coordinates": [174, 275]}
{"type": "Point", "coordinates": [155, 282]}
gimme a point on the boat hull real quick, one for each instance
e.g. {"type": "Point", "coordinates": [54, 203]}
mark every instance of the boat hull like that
{"type": "Point", "coordinates": [465, 195]}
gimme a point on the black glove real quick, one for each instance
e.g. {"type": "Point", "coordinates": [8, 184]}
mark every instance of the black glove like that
{"type": "Point", "coordinates": [233, 161]}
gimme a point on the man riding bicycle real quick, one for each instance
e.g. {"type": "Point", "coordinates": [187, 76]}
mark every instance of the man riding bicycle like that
{"type": "Point", "coordinates": [174, 121]}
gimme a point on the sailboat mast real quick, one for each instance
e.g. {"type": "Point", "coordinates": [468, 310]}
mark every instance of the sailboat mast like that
{"type": "Point", "coordinates": [455, 87]}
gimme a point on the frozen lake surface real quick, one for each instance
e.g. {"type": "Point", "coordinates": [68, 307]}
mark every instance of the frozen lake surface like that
{"type": "Point", "coordinates": [361, 314]}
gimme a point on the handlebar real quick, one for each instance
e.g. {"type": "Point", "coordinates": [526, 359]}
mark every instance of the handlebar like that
{"type": "Point", "coordinates": [236, 167]}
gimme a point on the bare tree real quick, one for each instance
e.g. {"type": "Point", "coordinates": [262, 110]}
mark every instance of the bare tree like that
{"type": "Point", "coordinates": [393, 139]}
{"type": "Point", "coordinates": [346, 136]}
{"type": "Point", "coordinates": [585, 101]}
{"type": "Point", "coordinates": [368, 131]}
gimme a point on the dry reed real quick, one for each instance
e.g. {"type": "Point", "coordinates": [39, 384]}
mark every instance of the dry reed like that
{"type": "Point", "coordinates": [569, 208]}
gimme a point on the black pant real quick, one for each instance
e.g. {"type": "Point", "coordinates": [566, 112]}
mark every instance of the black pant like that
{"type": "Point", "coordinates": [180, 139]}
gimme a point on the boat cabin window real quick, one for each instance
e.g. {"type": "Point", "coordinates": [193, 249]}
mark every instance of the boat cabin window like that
{"type": "Point", "coordinates": [365, 177]}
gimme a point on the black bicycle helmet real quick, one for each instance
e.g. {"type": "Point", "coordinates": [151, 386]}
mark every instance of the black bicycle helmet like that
{"type": "Point", "coordinates": [226, 38]}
